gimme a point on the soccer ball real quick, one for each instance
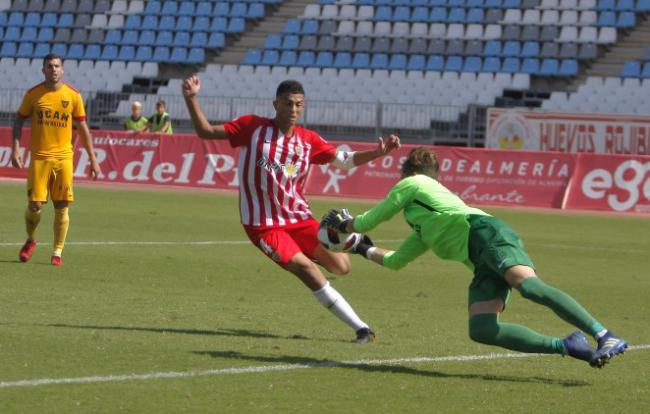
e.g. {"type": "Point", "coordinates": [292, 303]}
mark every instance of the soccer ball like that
{"type": "Point", "coordinates": [336, 241]}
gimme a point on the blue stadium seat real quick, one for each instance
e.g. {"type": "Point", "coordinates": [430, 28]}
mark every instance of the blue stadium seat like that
{"type": "Point", "coordinates": [219, 24]}
{"type": "Point", "coordinates": [642, 6]}
{"type": "Point", "coordinates": [420, 14]}
{"type": "Point", "coordinates": [511, 49]}
{"type": "Point", "coordinates": [625, 5]}
{"type": "Point", "coordinates": [169, 7]}
{"type": "Point", "coordinates": [164, 38]}
{"type": "Point", "coordinates": [456, 3]}
{"type": "Point", "coordinates": [113, 37]}
{"type": "Point", "coordinates": [493, 4]}
{"type": "Point", "coordinates": [343, 60]}
{"type": "Point", "coordinates": [379, 61]}
{"type": "Point", "coordinates": [398, 61]}
{"type": "Point", "coordinates": [110, 52]}
{"type": "Point", "coordinates": [32, 19]}
{"type": "Point", "coordinates": [530, 65]}
{"type": "Point", "coordinates": [435, 63]}
{"type": "Point", "coordinates": [65, 20]}
{"type": "Point", "coordinates": [474, 4]}
{"type": "Point", "coordinates": [201, 24]}
{"type": "Point", "coordinates": [16, 19]}
{"type": "Point", "coordinates": [606, 18]}
{"type": "Point", "coordinates": [186, 8]}
{"type": "Point", "coordinates": [199, 39]}
{"type": "Point", "coordinates": [402, 13]}
{"type": "Point", "coordinates": [255, 11]}
{"type": "Point", "coordinates": [127, 53]}
{"type": "Point", "coordinates": [324, 59]}
{"type": "Point", "coordinates": [49, 20]}
{"type": "Point", "coordinates": [437, 3]}
{"type": "Point", "coordinates": [292, 26]}
{"type": "Point", "coordinates": [153, 7]}
{"type": "Point", "coordinates": [164, 23]}
{"type": "Point", "coordinates": [130, 37]}
{"type": "Point", "coordinates": [45, 35]}
{"type": "Point", "coordinates": [161, 54]}
{"type": "Point", "coordinates": [530, 49]}
{"type": "Point", "coordinates": [288, 58]}
{"type": "Point", "coordinates": [12, 34]}
{"type": "Point", "coordinates": [93, 52]}
{"type": "Point", "coordinates": [606, 5]}
{"type": "Point", "coordinates": [626, 20]}
{"type": "Point", "coordinates": [62, 50]}
{"type": "Point", "coordinates": [416, 62]}
{"type": "Point", "coordinates": [306, 58]}
{"type": "Point", "coordinates": [511, 4]}
{"type": "Point", "coordinates": [222, 9]}
{"type": "Point", "coordinates": [3, 18]}
{"type": "Point", "coordinates": [29, 34]}
{"type": "Point", "coordinates": [151, 23]}
{"type": "Point", "coordinates": [632, 69]}
{"type": "Point", "coordinates": [383, 13]}
{"type": "Point", "coordinates": [147, 38]}
{"type": "Point", "coordinates": [510, 65]}
{"type": "Point", "coordinates": [550, 67]}
{"type": "Point", "coordinates": [75, 51]}
{"type": "Point", "coordinates": [309, 27]}
{"type": "Point", "coordinates": [492, 48]}
{"type": "Point", "coordinates": [144, 54]}
{"type": "Point", "coordinates": [238, 10]}
{"type": "Point", "coordinates": [645, 73]}
{"type": "Point", "coordinates": [25, 50]}
{"type": "Point", "coordinates": [361, 61]}
{"type": "Point", "coordinates": [216, 41]}
{"type": "Point", "coordinates": [196, 55]}
{"type": "Point", "coordinates": [236, 25]}
{"type": "Point", "coordinates": [184, 23]}
{"type": "Point", "coordinates": [273, 41]}
{"type": "Point", "coordinates": [41, 50]}
{"type": "Point", "coordinates": [290, 42]}
{"type": "Point", "coordinates": [438, 14]}
{"type": "Point", "coordinates": [568, 67]}
{"type": "Point", "coordinates": [179, 55]}
{"type": "Point", "coordinates": [456, 15]}
{"type": "Point", "coordinates": [472, 64]}
{"type": "Point", "coordinates": [475, 15]}
{"type": "Point", "coordinates": [204, 8]}
{"type": "Point", "coordinates": [454, 64]}
{"type": "Point", "coordinates": [134, 22]}
{"type": "Point", "coordinates": [181, 39]}
{"type": "Point", "coordinates": [492, 64]}
{"type": "Point", "coordinates": [253, 57]}
{"type": "Point", "coordinates": [270, 58]}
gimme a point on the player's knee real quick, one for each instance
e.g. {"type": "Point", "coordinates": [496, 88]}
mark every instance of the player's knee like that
{"type": "Point", "coordinates": [35, 207]}
{"type": "Point", "coordinates": [61, 204]}
{"type": "Point", "coordinates": [484, 328]}
{"type": "Point", "coordinates": [533, 288]}
{"type": "Point", "coordinates": [340, 266]}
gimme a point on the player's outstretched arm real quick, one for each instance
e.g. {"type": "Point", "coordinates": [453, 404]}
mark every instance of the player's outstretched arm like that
{"type": "Point", "coordinates": [17, 133]}
{"type": "Point", "coordinates": [384, 146]}
{"type": "Point", "coordinates": [202, 126]}
{"type": "Point", "coordinates": [87, 140]}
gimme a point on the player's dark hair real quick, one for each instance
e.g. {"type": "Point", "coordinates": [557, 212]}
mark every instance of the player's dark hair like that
{"type": "Point", "coordinates": [51, 56]}
{"type": "Point", "coordinates": [421, 161]}
{"type": "Point", "coordinates": [289, 86]}
{"type": "Point", "coordinates": [161, 102]}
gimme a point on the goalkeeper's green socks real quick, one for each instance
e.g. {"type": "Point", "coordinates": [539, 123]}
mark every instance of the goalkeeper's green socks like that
{"type": "Point", "coordinates": [486, 329]}
{"type": "Point", "coordinates": [563, 305]}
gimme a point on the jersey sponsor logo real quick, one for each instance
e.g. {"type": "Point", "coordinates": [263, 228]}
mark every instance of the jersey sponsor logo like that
{"type": "Point", "coordinates": [289, 169]}
{"type": "Point", "coordinates": [52, 118]}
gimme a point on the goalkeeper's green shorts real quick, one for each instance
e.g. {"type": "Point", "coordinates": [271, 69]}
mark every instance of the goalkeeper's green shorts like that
{"type": "Point", "coordinates": [493, 247]}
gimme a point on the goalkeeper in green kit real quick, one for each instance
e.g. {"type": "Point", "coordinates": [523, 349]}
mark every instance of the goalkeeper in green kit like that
{"type": "Point", "coordinates": [443, 223]}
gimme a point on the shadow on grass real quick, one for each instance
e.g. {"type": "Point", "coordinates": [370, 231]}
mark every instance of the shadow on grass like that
{"type": "Point", "coordinates": [388, 368]}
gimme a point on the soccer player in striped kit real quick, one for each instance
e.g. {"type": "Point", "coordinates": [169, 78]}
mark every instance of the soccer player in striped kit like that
{"type": "Point", "coordinates": [273, 164]}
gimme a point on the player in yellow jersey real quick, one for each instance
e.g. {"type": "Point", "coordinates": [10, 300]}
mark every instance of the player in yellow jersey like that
{"type": "Point", "coordinates": [53, 106]}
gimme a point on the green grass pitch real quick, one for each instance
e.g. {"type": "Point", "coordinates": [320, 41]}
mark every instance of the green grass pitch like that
{"type": "Point", "coordinates": [130, 309]}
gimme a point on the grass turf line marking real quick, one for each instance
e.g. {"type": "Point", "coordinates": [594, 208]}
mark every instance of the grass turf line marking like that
{"type": "Point", "coordinates": [239, 242]}
{"type": "Point", "coordinates": [270, 368]}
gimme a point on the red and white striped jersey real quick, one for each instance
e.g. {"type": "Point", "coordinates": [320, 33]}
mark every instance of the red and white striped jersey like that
{"type": "Point", "coordinates": [272, 170]}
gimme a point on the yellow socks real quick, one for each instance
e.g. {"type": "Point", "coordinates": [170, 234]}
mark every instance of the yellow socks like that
{"type": "Point", "coordinates": [61, 223]}
{"type": "Point", "coordinates": [32, 218]}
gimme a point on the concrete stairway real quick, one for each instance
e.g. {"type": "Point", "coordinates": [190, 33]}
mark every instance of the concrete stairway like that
{"type": "Point", "coordinates": [254, 38]}
{"type": "Point", "coordinates": [611, 63]}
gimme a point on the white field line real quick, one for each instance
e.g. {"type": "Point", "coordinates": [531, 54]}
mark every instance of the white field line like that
{"type": "Point", "coordinates": [238, 242]}
{"type": "Point", "coordinates": [260, 369]}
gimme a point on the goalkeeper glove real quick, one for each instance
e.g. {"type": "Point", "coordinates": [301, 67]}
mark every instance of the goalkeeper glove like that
{"type": "Point", "coordinates": [338, 219]}
{"type": "Point", "coordinates": [362, 246]}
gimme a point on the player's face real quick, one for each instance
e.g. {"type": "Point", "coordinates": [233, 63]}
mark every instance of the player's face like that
{"type": "Point", "coordinates": [53, 70]}
{"type": "Point", "coordinates": [289, 107]}
{"type": "Point", "coordinates": [136, 112]}
{"type": "Point", "coordinates": [160, 109]}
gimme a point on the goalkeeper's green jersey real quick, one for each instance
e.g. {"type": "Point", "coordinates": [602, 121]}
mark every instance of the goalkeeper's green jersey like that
{"type": "Point", "coordinates": [438, 217]}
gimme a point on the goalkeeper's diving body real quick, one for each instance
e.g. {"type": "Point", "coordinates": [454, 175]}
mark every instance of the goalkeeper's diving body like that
{"type": "Point", "coordinates": [442, 222]}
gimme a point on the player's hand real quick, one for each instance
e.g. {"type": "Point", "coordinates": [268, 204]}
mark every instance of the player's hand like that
{"type": "Point", "coordinates": [95, 169]}
{"type": "Point", "coordinates": [338, 219]}
{"type": "Point", "coordinates": [384, 146]}
{"type": "Point", "coordinates": [191, 86]}
{"type": "Point", "coordinates": [362, 245]}
{"type": "Point", "coordinates": [17, 159]}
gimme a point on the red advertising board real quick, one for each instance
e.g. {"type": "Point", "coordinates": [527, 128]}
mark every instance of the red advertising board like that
{"type": "Point", "coordinates": [479, 176]}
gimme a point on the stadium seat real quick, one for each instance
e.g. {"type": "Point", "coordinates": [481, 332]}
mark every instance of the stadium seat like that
{"type": "Point", "coordinates": [510, 65]}
{"type": "Point", "coordinates": [221, 9]}
{"type": "Point", "coordinates": [343, 60]}
{"type": "Point", "coordinates": [45, 34]}
{"type": "Point", "coordinates": [126, 53]}
{"type": "Point", "coordinates": [511, 48]}
{"type": "Point", "coordinates": [184, 23]}
{"type": "Point", "coordinates": [288, 58]}
{"type": "Point", "coordinates": [306, 59]}
{"type": "Point", "coordinates": [435, 63]}
{"type": "Point", "coordinates": [292, 26]}
{"type": "Point", "coordinates": [323, 43]}
{"type": "Point", "coordinates": [324, 59]}
{"type": "Point", "coordinates": [530, 66]}
{"type": "Point", "coordinates": [645, 73]}
{"type": "Point", "coordinates": [219, 24]}
{"type": "Point", "coordinates": [75, 51]}
{"type": "Point", "coordinates": [626, 20]}
{"type": "Point", "coordinates": [398, 62]}
{"type": "Point", "coordinates": [109, 52]}
{"type": "Point", "coordinates": [472, 64]}
{"type": "Point", "coordinates": [181, 39]}
{"type": "Point", "coordinates": [550, 67]}
{"type": "Point", "coordinates": [144, 54]}
{"type": "Point", "coordinates": [290, 42]}
{"type": "Point", "coordinates": [270, 58]}
{"type": "Point", "coordinates": [632, 69]}
{"type": "Point", "coordinates": [253, 57]}
{"type": "Point", "coordinates": [416, 62]}
{"type": "Point", "coordinates": [161, 54]}
{"type": "Point", "coordinates": [41, 50]}
{"type": "Point", "coordinates": [93, 52]}
{"type": "Point", "coordinates": [491, 64]}
{"type": "Point", "coordinates": [454, 64]}
{"type": "Point", "coordinates": [28, 34]}
{"type": "Point", "coordinates": [216, 41]}
{"type": "Point", "coordinates": [165, 38]}
{"type": "Point", "coordinates": [361, 61]}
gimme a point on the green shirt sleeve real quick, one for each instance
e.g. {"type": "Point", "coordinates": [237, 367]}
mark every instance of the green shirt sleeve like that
{"type": "Point", "coordinates": [409, 250]}
{"type": "Point", "coordinates": [398, 197]}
